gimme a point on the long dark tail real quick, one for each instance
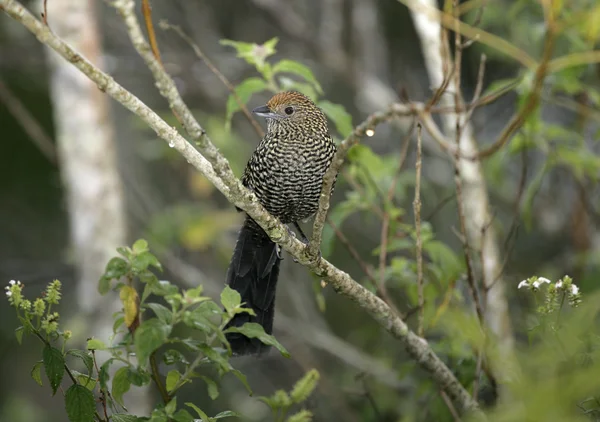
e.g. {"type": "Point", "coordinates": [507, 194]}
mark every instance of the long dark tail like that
{"type": "Point", "coordinates": [253, 272]}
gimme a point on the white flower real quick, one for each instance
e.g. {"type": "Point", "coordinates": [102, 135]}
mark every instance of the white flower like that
{"type": "Point", "coordinates": [574, 289]}
{"type": "Point", "coordinates": [523, 283]}
{"type": "Point", "coordinates": [536, 284]}
{"type": "Point", "coordinates": [12, 282]}
{"type": "Point", "coordinates": [559, 284]}
{"type": "Point", "coordinates": [8, 293]}
{"type": "Point", "coordinates": [543, 280]}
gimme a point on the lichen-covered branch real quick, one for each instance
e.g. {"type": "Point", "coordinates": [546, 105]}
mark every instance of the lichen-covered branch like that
{"type": "Point", "coordinates": [216, 168]}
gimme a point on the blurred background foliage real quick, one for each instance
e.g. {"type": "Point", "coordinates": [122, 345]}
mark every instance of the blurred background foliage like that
{"type": "Point", "coordinates": [354, 57]}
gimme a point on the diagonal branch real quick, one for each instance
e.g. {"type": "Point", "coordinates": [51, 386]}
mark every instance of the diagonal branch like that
{"type": "Point", "coordinates": [216, 168]}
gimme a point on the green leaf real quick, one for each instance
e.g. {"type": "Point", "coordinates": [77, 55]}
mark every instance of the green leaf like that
{"type": "Point", "coordinates": [226, 414]}
{"type": "Point", "coordinates": [198, 411]}
{"type": "Point", "coordinates": [172, 356]}
{"type": "Point", "coordinates": [95, 344]}
{"type": "Point", "coordinates": [19, 334]}
{"type": "Point", "coordinates": [104, 376]}
{"type": "Point", "coordinates": [140, 245]}
{"type": "Point", "coordinates": [84, 380]}
{"type": "Point", "coordinates": [116, 268]}
{"type": "Point", "coordinates": [36, 372]}
{"type": "Point", "coordinates": [123, 417]}
{"type": "Point", "coordinates": [230, 299]}
{"type": "Point", "coordinates": [54, 366]}
{"type": "Point", "coordinates": [254, 330]}
{"type": "Point", "coordinates": [301, 416]}
{"type": "Point", "coordinates": [215, 357]}
{"type": "Point", "coordinates": [172, 378]}
{"type": "Point", "coordinates": [120, 384]}
{"type": "Point", "coordinates": [139, 376]}
{"type": "Point", "coordinates": [85, 358]}
{"type": "Point", "coordinates": [253, 53]}
{"type": "Point", "coordinates": [171, 406]}
{"type": "Point", "coordinates": [80, 404]}
{"type": "Point", "coordinates": [340, 117]}
{"type": "Point", "coordinates": [149, 336]}
{"type": "Point", "coordinates": [244, 91]}
{"type": "Point", "coordinates": [305, 386]}
{"type": "Point", "coordinates": [142, 261]}
{"type": "Point", "coordinates": [213, 390]}
{"type": "Point", "coordinates": [291, 66]}
{"type": "Point", "coordinates": [239, 375]}
{"type": "Point", "coordinates": [162, 312]}
{"type": "Point", "coordinates": [183, 415]}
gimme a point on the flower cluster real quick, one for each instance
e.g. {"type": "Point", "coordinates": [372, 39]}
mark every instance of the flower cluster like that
{"type": "Point", "coordinates": [563, 288]}
{"type": "Point", "coordinates": [15, 295]}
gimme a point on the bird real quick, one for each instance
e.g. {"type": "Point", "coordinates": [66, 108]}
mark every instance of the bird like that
{"type": "Point", "coordinates": [286, 173]}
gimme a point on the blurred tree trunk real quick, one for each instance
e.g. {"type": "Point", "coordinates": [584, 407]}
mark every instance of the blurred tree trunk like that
{"type": "Point", "coordinates": [88, 164]}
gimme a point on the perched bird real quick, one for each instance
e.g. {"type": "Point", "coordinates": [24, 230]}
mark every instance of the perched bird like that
{"type": "Point", "coordinates": [286, 173]}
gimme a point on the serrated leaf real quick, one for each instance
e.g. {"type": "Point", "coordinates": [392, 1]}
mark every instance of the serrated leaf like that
{"type": "Point", "coordinates": [129, 299]}
{"type": "Point", "coordinates": [80, 404]}
{"type": "Point", "coordinates": [95, 344]}
{"type": "Point", "coordinates": [19, 334]}
{"type": "Point", "coordinates": [172, 378]}
{"type": "Point", "coordinates": [305, 386]}
{"type": "Point", "coordinates": [213, 389]}
{"type": "Point", "coordinates": [120, 384]}
{"type": "Point", "coordinates": [84, 356]}
{"type": "Point", "coordinates": [244, 91]}
{"type": "Point", "coordinates": [239, 375]}
{"type": "Point", "coordinates": [230, 299]}
{"type": "Point", "coordinates": [198, 411]}
{"type": "Point", "coordinates": [291, 66]}
{"type": "Point", "coordinates": [254, 330]}
{"type": "Point", "coordinates": [162, 312]}
{"type": "Point", "coordinates": [339, 116]}
{"type": "Point", "coordinates": [104, 376]}
{"type": "Point", "coordinates": [301, 416]}
{"type": "Point", "coordinates": [36, 372]}
{"type": "Point", "coordinates": [172, 356]}
{"type": "Point", "coordinates": [149, 336]}
{"type": "Point", "coordinates": [54, 366]}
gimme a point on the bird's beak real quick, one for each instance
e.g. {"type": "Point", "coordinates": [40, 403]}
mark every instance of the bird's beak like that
{"type": "Point", "coordinates": [264, 111]}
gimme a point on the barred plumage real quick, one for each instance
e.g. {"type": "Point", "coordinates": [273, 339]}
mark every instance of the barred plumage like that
{"type": "Point", "coordinates": [286, 173]}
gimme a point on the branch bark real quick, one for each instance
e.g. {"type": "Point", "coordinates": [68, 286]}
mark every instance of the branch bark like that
{"type": "Point", "coordinates": [216, 168]}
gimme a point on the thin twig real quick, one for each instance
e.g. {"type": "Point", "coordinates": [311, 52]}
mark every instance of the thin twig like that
{"type": "Point", "coordinates": [166, 26]}
{"type": "Point", "coordinates": [45, 13]}
{"type": "Point", "coordinates": [353, 252]}
{"type": "Point", "coordinates": [102, 390]}
{"type": "Point", "coordinates": [419, 240]}
{"type": "Point", "coordinates": [156, 378]}
{"type": "Point", "coordinates": [28, 123]}
{"type": "Point", "coordinates": [450, 406]}
{"type": "Point", "coordinates": [147, 12]}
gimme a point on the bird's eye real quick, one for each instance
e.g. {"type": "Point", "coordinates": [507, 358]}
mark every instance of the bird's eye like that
{"type": "Point", "coordinates": [289, 110]}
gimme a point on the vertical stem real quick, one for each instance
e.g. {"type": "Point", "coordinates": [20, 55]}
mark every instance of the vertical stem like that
{"type": "Point", "coordinates": [417, 212]}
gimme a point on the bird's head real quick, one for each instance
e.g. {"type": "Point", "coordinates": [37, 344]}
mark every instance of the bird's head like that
{"type": "Point", "coordinates": [292, 111]}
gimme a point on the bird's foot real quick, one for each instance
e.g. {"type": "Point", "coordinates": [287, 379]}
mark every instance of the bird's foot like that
{"type": "Point", "coordinates": [279, 251]}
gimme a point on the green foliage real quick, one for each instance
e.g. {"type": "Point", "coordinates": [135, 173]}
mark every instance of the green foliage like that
{"type": "Point", "coordinates": [281, 401]}
{"type": "Point", "coordinates": [273, 80]}
{"type": "Point", "coordinates": [143, 332]}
